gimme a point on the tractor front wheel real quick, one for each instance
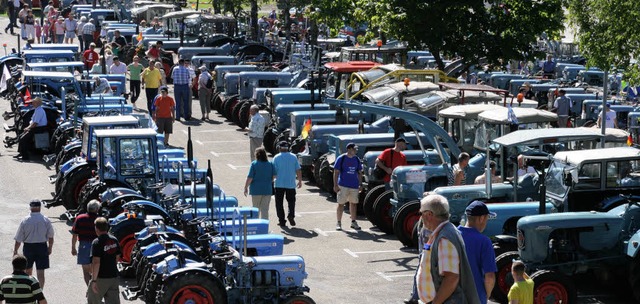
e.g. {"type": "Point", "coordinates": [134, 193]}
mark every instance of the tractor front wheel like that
{"type": "Point", "coordinates": [403, 222]}
{"type": "Point", "coordinates": [382, 212]}
{"type": "Point", "coordinates": [553, 287]}
{"type": "Point", "coordinates": [72, 186]}
{"type": "Point", "coordinates": [191, 287]}
{"type": "Point", "coordinates": [504, 280]}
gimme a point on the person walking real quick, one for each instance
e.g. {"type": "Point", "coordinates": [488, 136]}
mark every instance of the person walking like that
{"type": "Point", "coordinates": [205, 86]}
{"type": "Point", "coordinates": [164, 113]}
{"type": "Point", "coordinates": [87, 33]}
{"type": "Point", "coordinates": [444, 274]}
{"type": "Point", "coordinates": [482, 258]}
{"type": "Point", "coordinates": [35, 231]}
{"type": "Point", "coordinates": [391, 158]}
{"type": "Point", "coordinates": [12, 9]}
{"type": "Point", "coordinates": [135, 69]}
{"type": "Point", "coordinates": [59, 30]}
{"type": "Point", "coordinates": [458, 171]}
{"type": "Point", "coordinates": [347, 179]}
{"type": "Point", "coordinates": [117, 68]}
{"type": "Point", "coordinates": [287, 170]}
{"type": "Point", "coordinates": [83, 230]}
{"type": "Point", "coordinates": [79, 27]}
{"type": "Point", "coordinates": [38, 123]}
{"type": "Point", "coordinates": [19, 287]}
{"type": "Point", "coordinates": [70, 29]}
{"type": "Point", "coordinates": [259, 182]}
{"type": "Point", "coordinates": [181, 84]}
{"type": "Point", "coordinates": [256, 130]}
{"type": "Point", "coordinates": [151, 80]}
{"type": "Point", "coordinates": [105, 253]}
{"type": "Point", "coordinates": [562, 106]}
{"type": "Point", "coordinates": [521, 292]}
{"type": "Point", "coordinates": [90, 57]}
{"type": "Point", "coordinates": [29, 25]}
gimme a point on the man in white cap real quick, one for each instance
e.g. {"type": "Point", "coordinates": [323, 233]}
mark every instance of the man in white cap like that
{"type": "Point", "coordinates": [38, 123]}
{"type": "Point", "coordinates": [35, 231]}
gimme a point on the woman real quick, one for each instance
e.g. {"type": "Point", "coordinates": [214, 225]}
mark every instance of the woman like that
{"type": "Point", "coordinates": [204, 92]}
{"type": "Point", "coordinates": [259, 182]}
{"type": "Point", "coordinates": [135, 69]}
{"type": "Point", "coordinates": [59, 30]}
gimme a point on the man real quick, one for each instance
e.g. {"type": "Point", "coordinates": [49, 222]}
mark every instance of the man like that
{"type": "Point", "coordinates": [81, 23]}
{"type": "Point", "coordinates": [549, 67]}
{"type": "Point", "coordinates": [479, 248]}
{"type": "Point", "coordinates": [521, 292]}
{"type": "Point", "coordinates": [347, 178]}
{"type": "Point", "coordinates": [164, 114]}
{"type": "Point", "coordinates": [391, 158]}
{"type": "Point", "coordinates": [181, 87]}
{"type": "Point", "coordinates": [117, 67]}
{"type": "Point", "coordinates": [481, 179]}
{"type": "Point", "coordinates": [562, 106]}
{"type": "Point", "coordinates": [70, 29]}
{"type": "Point", "coordinates": [101, 86]}
{"type": "Point", "coordinates": [192, 84]}
{"type": "Point", "coordinates": [83, 229]}
{"type": "Point", "coordinates": [90, 56]}
{"type": "Point", "coordinates": [287, 170]}
{"type": "Point", "coordinates": [105, 252]}
{"type": "Point", "coordinates": [152, 79]}
{"type": "Point", "coordinates": [12, 6]}
{"type": "Point", "coordinates": [204, 92]}
{"type": "Point", "coordinates": [458, 171]}
{"type": "Point", "coordinates": [35, 231]}
{"type": "Point", "coordinates": [256, 130]}
{"type": "Point", "coordinates": [444, 273]}
{"type": "Point", "coordinates": [87, 34]}
{"type": "Point", "coordinates": [119, 39]}
{"type": "Point", "coordinates": [610, 116]}
{"type": "Point", "coordinates": [37, 124]}
{"type": "Point", "coordinates": [19, 287]}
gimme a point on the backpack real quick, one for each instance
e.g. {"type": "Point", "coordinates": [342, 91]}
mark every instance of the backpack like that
{"type": "Point", "coordinates": [209, 83]}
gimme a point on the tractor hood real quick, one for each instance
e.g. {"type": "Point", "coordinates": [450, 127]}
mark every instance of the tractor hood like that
{"type": "Point", "coordinates": [571, 220]}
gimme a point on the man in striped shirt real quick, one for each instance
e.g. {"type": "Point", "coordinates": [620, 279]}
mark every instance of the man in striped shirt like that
{"type": "Point", "coordinates": [20, 287]}
{"type": "Point", "coordinates": [84, 230]}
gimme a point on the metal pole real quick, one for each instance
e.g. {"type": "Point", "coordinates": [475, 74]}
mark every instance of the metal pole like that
{"type": "Point", "coordinates": [603, 113]}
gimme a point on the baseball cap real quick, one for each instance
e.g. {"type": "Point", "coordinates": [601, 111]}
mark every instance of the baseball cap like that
{"type": "Point", "coordinates": [164, 88]}
{"type": "Point", "coordinates": [351, 146]}
{"type": "Point", "coordinates": [478, 208]}
{"type": "Point", "coordinates": [283, 144]}
{"type": "Point", "coordinates": [401, 139]}
{"type": "Point", "coordinates": [608, 105]}
{"type": "Point", "coordinates": [35, 203]}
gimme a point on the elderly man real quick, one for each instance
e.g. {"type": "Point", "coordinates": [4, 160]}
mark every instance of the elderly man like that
{"type": "Point", "coordinates": [181, 83]}
{"type": "Point", "coordinates": [256, 130]}
{"type": "Point", "coordinates": [444, 274]}
{"type": "Point", "coordinates": [87, 33]}
{"type": "Point", "coordinates": [83, 229]}
{"type": "Point", "coordinates": [38, 123]}
{"type": "Point", "coordinates": [101, 86]}
{"type": "Point", "coordinates": [35, 231]}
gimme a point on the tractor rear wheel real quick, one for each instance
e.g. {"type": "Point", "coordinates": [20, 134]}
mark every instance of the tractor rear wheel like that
{"type": "Point", "coordinates": [228, 107]}
{"type": "Point", "coordinates": [299, 300]}
{"type": "Point", "coordinates": [72, 186]}
{"type": "Point", "coordinates": [244, 116]}
{"type": "Point", "coordinates": [125, 233]}
{"type": "Point", "coordinates": [65, 156]}
{"type": "Point", "coordinates": [403, 222]}
{"type": "Point", "coordinates": [217, 103]}
{"type": "Point", "coordinates": [269, 140]}
{"type": "Point", "coordinates": [504, 280]}
{"type": "Point", "coordinates": [634, 277]}
{"type": "Point", "coordinates": [382, 212]}
{"type": "Point", "coordinates": [151, 287]}
{"type": "Point", "coordinates": [553, 287]}
{"type": "Point", "coordinates": [235, 112]}
{"type": "Point", "coordinates": [326, 177]}
{"type": "Point", "coordinates": [316, 169]}
{"type": "Point", "coordinates": [283, 136]}
{"type": "Point", "coordinates": [192, 287]}
{"type": "Point", "coordinates": [370, 199]}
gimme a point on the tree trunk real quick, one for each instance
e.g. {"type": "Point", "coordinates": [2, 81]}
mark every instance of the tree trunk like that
{"type": "Point", "coordinates": [216, 6]}
{"type": "Point", "coordinates": [254, 20]}
{"type": "Point", "coordinates": [439, 62]}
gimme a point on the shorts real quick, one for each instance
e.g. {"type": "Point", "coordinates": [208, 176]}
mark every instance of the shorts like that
{"type": "Point", "coordinates": [70, 35]}
{"type": "Point", "coordinates": [84, 253]}
{"type": "Point", "coordinates": [348, 195]}
{"type": "Point", "coordinates": [37, 253]}
{"type": "Point", "coordinates": [165, 125]}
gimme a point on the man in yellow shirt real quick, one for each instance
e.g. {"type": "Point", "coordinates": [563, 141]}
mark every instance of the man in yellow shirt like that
{"type": "Point", "coordinates": [521, 291]}
{"type": "Point", "coordinates": [151, 81]}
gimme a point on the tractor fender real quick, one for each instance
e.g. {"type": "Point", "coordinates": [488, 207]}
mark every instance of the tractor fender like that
{"type": "Point", "coordinates": [72, 144]}
{"type": "Point", "coordinates": [503, 243]}
{"type": "Point", "coordinates": [633, 245]}
{"type": "Point", "coordinates": [195, 269]}
{"type": "Point", "coordinates": [151, 208]}
{"type": "Point", "coordinates": [114, 192]}
{"type": "Point", "coordinates": [73, 167]}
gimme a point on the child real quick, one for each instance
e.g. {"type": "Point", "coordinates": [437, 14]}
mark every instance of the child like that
{"type": "Point", "coordinates": [38, 38]}
{"type": "Point", "coordinates": [46, 29]}
{"type": "Point", "coordinates": [521, 291]}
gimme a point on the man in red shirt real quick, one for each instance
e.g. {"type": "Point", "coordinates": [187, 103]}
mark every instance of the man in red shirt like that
{"type": "Point", "coordinates": [164, 114]}
{"type": "Point", "coordinates": [392, 158]}
{"type": "Point", "coordinates": [90, 57]}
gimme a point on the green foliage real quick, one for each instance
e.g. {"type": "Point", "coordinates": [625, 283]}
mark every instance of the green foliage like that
{"type": "Point", "coordinates": [607, 32]}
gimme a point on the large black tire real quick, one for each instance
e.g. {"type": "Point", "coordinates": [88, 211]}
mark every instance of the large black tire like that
{"type": "Point", "coordinates": [382, 212]}
{"type": "Point", "coordinates": [316, 169]}
{"type": "Point", "coordinates": [299, 300]}
{"type": "Point", "coordinates": [192, 285]}
{"type": "Point", "coordinates": [634, 278]}
{"type": "Point", "coordinates": [235, 112]}
{"type": "Point", "coordinates": [553, 286]}
{"type": "Point", "coordinates": [151, 288]}
{"type": "Point", "coordinates": [298, 145]}
{"type": "Point", "coordinates": [326, 177]}
{"type": "Point", "coordinates": [228, 107]}
{"type": "Point", "coordinates": [404, 221]}
{"type": "Point", "coordinates": [244, 116]}
{"type": "Point", "coordinates": [72, 186]}
{"type": "Point", "coordinates": [58, 142]}
{"type": "Point", "coordinates": [283, 136]}
{"type": "Point", "coordinates": [269, 140]}
{"type": "Point", "coordinates": [143, 263]}
{"type": "Point", "coordinates": [504, 280]}
{"type": "Point", "coordinates": [65, 156]}
{"type": "Point", "coordinates": [370, 199]}
{"type": "Point", "coordinates": [217, 103]}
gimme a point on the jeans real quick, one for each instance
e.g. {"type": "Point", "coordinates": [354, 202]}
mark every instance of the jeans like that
{"type": "Point", "coordinates": [59, 38]}
{"type": "Point", "coordinates": [86, 40]}
{"type": "Point", "coordinates": [151, 94]}
{"type": "Point", "coordinates": [181, 92]}
{"type": "Point", "coordinates": [291, 201]}
{"type": "Point", "coordinates": [13, 14]}
{"type": "Point", "coordinates": [134, 87]}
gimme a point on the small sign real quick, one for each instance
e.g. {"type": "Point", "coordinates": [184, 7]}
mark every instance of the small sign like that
{"type": "Point", "coordinates": [415, 177]}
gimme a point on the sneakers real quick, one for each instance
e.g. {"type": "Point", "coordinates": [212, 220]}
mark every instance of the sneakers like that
{"type": "Point", "coordinates": [338, 226]}
{"type": "Point", "coordinates": [355, 226]}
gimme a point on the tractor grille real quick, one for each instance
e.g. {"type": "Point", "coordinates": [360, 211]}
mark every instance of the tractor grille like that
{"type": "Point", "coordinates": [520, 237]}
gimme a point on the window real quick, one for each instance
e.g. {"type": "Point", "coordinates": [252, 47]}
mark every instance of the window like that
{"type": "Point", "coordinates": [624, 173]}
{"type": "Point", "coordinates": [589, 177]}
{"type": "Point", "coordinates": [109, 158]}
{"type": "Point", "coordinates": [136, 157]}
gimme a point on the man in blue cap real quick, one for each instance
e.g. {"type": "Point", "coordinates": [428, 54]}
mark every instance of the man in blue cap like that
{"type": "Point", "coordinates": [479, 248]}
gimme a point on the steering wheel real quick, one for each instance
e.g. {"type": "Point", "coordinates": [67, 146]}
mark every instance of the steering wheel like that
{"type": "Point", "coordinates": [207, 236]}
{"type": "Point", "coordinates": [225, 255]}
{"type": "Point", "coordinates": [156, 186]}
{"type": "Point", "coordinates": [197, 221]}
{"type": "Point", "coordinates": [170, 198]}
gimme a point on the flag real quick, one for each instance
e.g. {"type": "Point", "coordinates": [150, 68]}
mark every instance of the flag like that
{"type": "Point", "coordinates": [511, 116]}
{"type": "Point", "coordinates": [6, 75]}
{"type": "Point", "coordinates": [629, 140]}
{"type": "Point", "coordinates": [139, 38]}
{"type": "Point", "coordinates": [27, 96]}
{"type": "Point", "coordinates": [306, 129]}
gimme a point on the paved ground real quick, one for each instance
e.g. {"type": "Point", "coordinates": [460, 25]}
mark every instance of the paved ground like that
{"type": "Point", "coordinates": [349, 266]}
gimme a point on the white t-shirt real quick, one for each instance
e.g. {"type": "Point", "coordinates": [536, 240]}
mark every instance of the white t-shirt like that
{"type": "Point", "coordinates": [610, 117]}
{"type": "Point", "coordinates": [118, 69]}
{"type": "Point", "coordinates": [528, 170]}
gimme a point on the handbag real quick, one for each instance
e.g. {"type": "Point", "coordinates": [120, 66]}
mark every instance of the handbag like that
{"type": "Point", "coordinates": [378, 172]}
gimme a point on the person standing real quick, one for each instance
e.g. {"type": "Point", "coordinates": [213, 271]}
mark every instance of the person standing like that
{"type": "Point", "coordinates": [105, 252]}
{"type": "Point", "coordinates": [117, 68]}
{"type": "Point", "coordinates": [29, 25]}
{"type": "Point", "coordinates": [87, 33]}
{"type": "Point", "coordinates": [256, 130]}
{"type": "Point", "coordinates": [135, 69]}
{"type": "Point", "coordinates": [549, 68]}
{"type": "Point", "coordinates": [482, 258]}
{"type": "Point", "coordinates": [287, 170]}
{"type": "Point", "coordinates": [610, 117]}
{"type": "Point", "coordinates": [151, 80]}
{"type": "Point", "coordinates": [19, 287]}
{"type": "Point", "coordinates": [181, 80]}
{"type": "Point", "coordinates": [562, 106]}
{"type": "Point", "coordinates": [22, 15]}
{"type": "Point", "coordinates": [164, 113]}
{"type": "Point", "coordinates": [38, 123]}
{"type": "Point", "coordinates": [444, 274]}
{"type": "Point", "coordinates": [12, 8]}
{"type": "Point", "coordinates": [35, 231]}
{"type": "Point", "coordinates": [521, 292]}
{"type": "Point", "coordinates": [118, 40]}
{"type": "Point", "coordinates": [70, 29]}
{"type": "Point", "coordinates": [193, 85]}
{"type": "Point", "coordinates": [259, 182]}
{"type": "Point", "coordinates": [204, 92]}
{"type": "Point", "coordinates": [391, 158]}
{"type": "Point", "coordinates": [90, 56]}
{"type": "Point", "coordinates": [83, 229]}
{"type": "Point", "coordinates": [79, 27]}
{"type": "Point", "coordinates": [458, 171]}
{"type": "Point", "coordinates": [347, 178]}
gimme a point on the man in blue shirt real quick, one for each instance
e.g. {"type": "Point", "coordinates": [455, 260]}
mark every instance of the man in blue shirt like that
{"type": "Point", "coordinates": [287, 170]}
{"type": "Point", "coordinates": [38, 123]}
{"type": "Point", "coordinates": [181, 86]}
{"type": "Point", "coordinates": [479, 248]}
{"type": "Point", "coordinates": [549, 67]}
{"type": "Point", "coordinates": [347, 178]}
